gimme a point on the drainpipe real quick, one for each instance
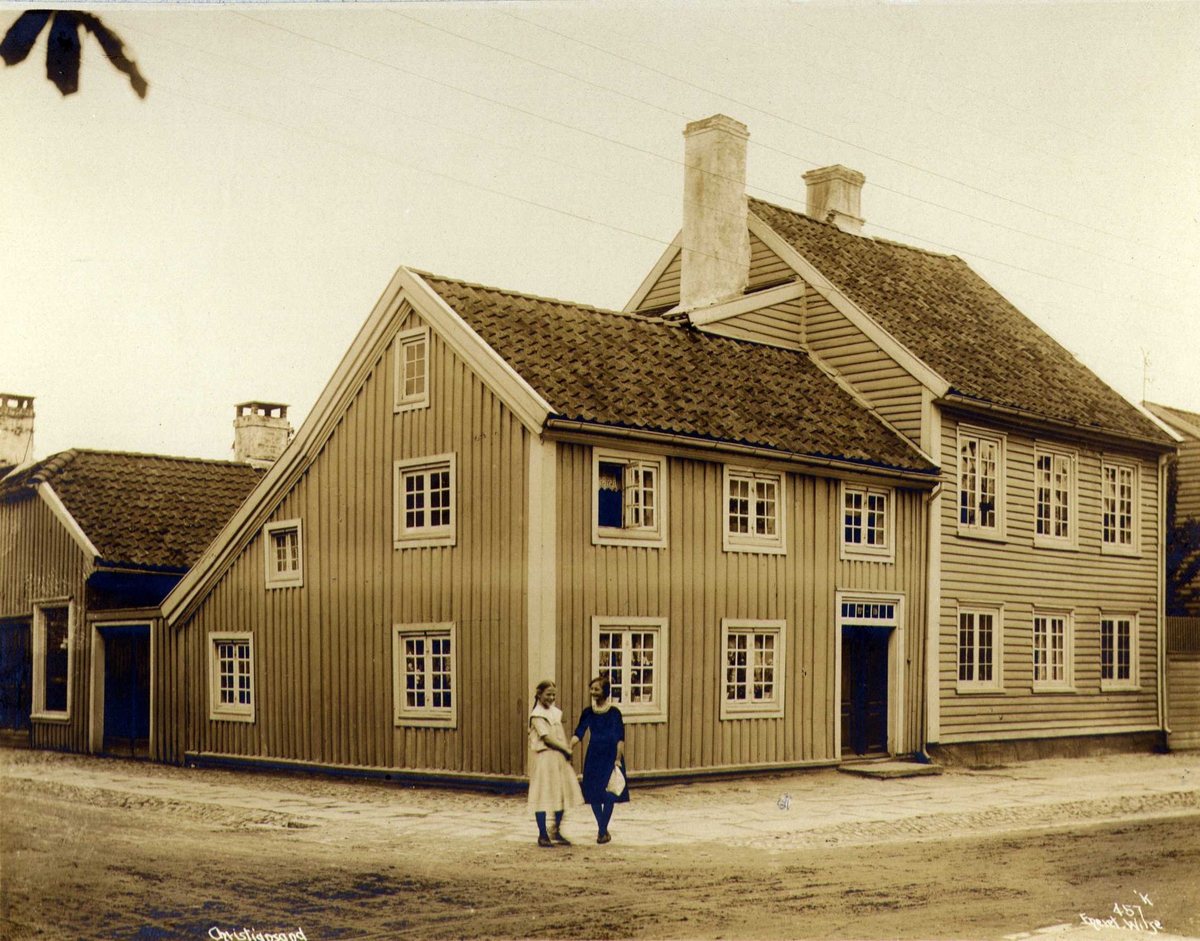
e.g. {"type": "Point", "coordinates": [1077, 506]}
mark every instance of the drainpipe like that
{"type": "Point", "coordinates": [933, 595]}
{"type": "Point", "coordinates": [1164, 716]}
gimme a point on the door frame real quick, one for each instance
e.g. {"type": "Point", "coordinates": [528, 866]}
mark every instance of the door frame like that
{"type": "Point", "coordinates": [897, 739]}
{"type": "Point", "coordinates": [96, 699]}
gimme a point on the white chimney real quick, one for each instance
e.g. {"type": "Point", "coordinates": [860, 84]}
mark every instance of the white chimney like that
{"type": "Point", "coordinates": [835, 195]}
{"type": "Point", "coordinates": [16, 429]}
{"type": "Point", "coordinates": [716, 242]}
{"type": "Point", "coordinates": [260, 432]}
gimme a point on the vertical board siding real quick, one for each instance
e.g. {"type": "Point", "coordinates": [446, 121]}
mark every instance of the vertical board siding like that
{"type": "Point", "coordinates": [694, 583]}
{"type": "Point", "coordinates": [883, 382]}
{"type": "Point", "coordinates": [1183, 690]}
{"type": "Point", "coordinates": [1021, 576]}
{"type": "Point", "coordinates": [39, 560]}
{"type": "Point", "coordinates": [323, 652]}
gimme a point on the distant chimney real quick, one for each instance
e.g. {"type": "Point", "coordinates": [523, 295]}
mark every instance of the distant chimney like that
{"type": "Point", "coordinates": [835, 195]}
{"type": "Point", "coordinates": [16, 429]}
{"type": "Point", "coordinates": [260, 432]}
{"type": "Point", "coordinates": [716, 242]}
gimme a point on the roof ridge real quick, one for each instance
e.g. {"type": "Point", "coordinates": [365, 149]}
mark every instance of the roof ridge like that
{"type": "Point", "coordinates": [161, 457]}
{"type": "Point", "coordinates": [523, 294]}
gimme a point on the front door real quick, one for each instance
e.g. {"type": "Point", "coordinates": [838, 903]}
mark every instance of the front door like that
{"type": "Point", "coordinates": [16, 673]}
{"type": "Point", "coordinates": [864, 690]}
{"type": "Point", "coordinates": [127, 690]}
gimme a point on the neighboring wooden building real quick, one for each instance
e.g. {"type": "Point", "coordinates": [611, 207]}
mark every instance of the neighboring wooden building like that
{"type": "Point", "coordinates": [1183, 557]}
{"type": "Point", "coordinates": [1045, 584]}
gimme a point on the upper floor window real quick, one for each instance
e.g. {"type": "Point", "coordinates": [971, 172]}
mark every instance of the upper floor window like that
{"type": "Point", "coordinates": [1119, 491]}
{"type": "Point", "coordinates": [52, 661]}
{"type": "Point", "coordinates": [754, 511]}
{"type": "Point", "coordinates": [1054, 485]}
{"type": "Point", "coordinates": [979, 646]}
{"type": "Point", "coordinates": [284, 562]}
{"type": "Point", "coordinates": [1052, 651]}
{"type": "Point", "coordinates": [754, 663]}
{"type": "Point", "coordinates": [425, 501]}
{"type": "Point", "coordinates": [1118, 652]}
{"type": "Point", "coordinates": [632, 653]}
{"type": "Point", "coordinates": [412, 369]}
{"type": "Point", "coordinates": [425, 675]}
{"type": "Point", "coordinates": [629, 499]}
{"type": "Point", "coordinates": [980, 483]}
{"type": "Point", "coordinates": [866, 522]}
{"type": "Point", "coordinates": [231, 676]}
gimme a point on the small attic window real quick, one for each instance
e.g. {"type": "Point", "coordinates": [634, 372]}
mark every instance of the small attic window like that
{"type": "Point", "coordinates": [412, 369]}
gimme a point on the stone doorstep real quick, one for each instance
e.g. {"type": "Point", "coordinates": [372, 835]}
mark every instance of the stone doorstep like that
{"type": "Point", "coordinates": [890, 769]}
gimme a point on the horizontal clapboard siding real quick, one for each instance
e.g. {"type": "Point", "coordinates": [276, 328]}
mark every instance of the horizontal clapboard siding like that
{"type": "Point", "coordinates": [1023, 577]}
{"type": "Point", "coordinates": [693, 584]}
{"type": "Point", "coordinates": [323, 652]}
{"type": "Point", "coordinates": [1187, 502]}
{"type": "Point", "coordinates": [665, 292]}
{"type": "Point", "coordinates": [765, 266]}
{"type": "Point", "coordinates": [781, 325]}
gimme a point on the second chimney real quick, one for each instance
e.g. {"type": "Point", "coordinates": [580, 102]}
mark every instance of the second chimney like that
{"type": "Point", "coordinates": [716, 242]}
{"type": "Point", "coordinates": [835, 195]}
{"type": "Point", "coordinates": [260, 433]}
{"type": "Point", "coordinates": [16, 429]}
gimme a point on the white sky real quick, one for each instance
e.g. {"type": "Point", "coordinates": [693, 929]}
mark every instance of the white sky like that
{"type": "Point", "coordinates": [225, 238]}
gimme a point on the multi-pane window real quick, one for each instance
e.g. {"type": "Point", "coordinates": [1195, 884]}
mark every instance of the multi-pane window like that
{"type": "Point", "coordinates": [865, 522]}
{"type": "Point", "coordinates": [232, 677]}
{"type": "Point", "coordinates": [1051, 650]}
{"type": "Point", "coordinates": [630, 497]}
{"type": "Point", "coordinates": [632, 653]}
{"type": "Point", "coordinates": [1118, 651]}
{"type": "Point", "coordinates": [51, 660]}
{"type": "Point", "coordinates": [284, 565]}
{"type": "Point", "coordinates": [425, 675]}
{"type": "Point", "coordinates": [1119, 489]}
{"type": "Point", "coordinates": [753, 511]}
{"type": "Point", "coordinates": [425, 489]}
{"type": "Point", "coordinates": [753, 663]}
{"type": "Point", "coordinates": [978, 647]}
{"type": "Point", "coordinates": [412, 369]}
{"type": "Point", "coordinates": [979, 482]}
{"type": "Point", "coordinates": [1054, 482]}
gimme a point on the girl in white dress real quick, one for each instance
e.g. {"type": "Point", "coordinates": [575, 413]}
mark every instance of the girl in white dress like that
{"type": "Point", "coordinates": [553, 786]}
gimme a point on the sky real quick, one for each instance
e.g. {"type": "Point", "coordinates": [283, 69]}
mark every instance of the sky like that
{"type": "Point", "coordinates": [224, 239]}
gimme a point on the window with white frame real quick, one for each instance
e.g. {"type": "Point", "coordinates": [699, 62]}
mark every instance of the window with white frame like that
{"type": "Point", "coordinates": [52, 661]}
{"type": "Point", "coordinates": [1119, 488]}
{"type": "Point", "coordinates": [231, 676]}
{"type": "Point", "coordinates": [979, 647]}
{"type": "Point", "coordinates": [425, 675]}
{"type": "Point", "coordinates": [1118, 652]}
{"type": "Point", "coordinates": [980, 483]}
{"type": "Point", "coordinates": [754, 663]}
{"type": "Point", "coordinates": [632, 653]}
{"type": "Point", "coordinates": [1054, 486]}
{"type": "Point", "coordinates": [283, 559]}
{"type": "Point", "coordinates": [1052, 651]}
{"type": "Point", "coordinates": [754, 511]}
{"type": "Point", "coordinates": [629, 502]}
{"type": "Point", "coordinates": [425, 502]}
{"type": "Point", "coordinates": [866, 522]}
{"type": "Point", "coordinates": [412, 369]}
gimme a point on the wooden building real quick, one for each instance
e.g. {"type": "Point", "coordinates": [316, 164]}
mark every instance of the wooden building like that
{"type": "Point", "coordinates": [1183, 551]}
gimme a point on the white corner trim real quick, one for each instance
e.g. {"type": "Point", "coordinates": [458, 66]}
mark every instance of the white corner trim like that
{"type": "Point", "coordinates": [746, 304]}
{"type": "Point", "coordinates": [889, 344]}
{"type": "Point", "coordinates": [663, 263]}
{"type": "Point", "coordinates": [52, 500]}
{"type": "Point", "coordinates": [541, 588]}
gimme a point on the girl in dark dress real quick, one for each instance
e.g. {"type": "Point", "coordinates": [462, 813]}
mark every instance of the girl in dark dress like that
{"type": "Point", "coordinates": [606, 751]}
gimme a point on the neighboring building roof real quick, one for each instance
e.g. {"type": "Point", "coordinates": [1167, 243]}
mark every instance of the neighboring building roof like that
{"type": "Point", "coordinates": [1186, 423]}
{"type": "Point", "coordinates": [959, 325]}
{"type": "Point", "coordinates": [631, 371]}
{"type": "Point", "coordinates": [142, 510]}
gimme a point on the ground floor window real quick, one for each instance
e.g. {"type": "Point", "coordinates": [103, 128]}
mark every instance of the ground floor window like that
{"type": "Point", "coordinates": [1118, 652]}
{"type": "Point", "coordinates": [425, 681]}
{"type": "Point", "coordinates": [978, 649]}
{"type": "Point", "coordinates": [632, 653]}
{"type": "Point", "coordinates": [52, 637]}
{"type": "Point", "coordinates": [231, 669]}
{"type": "Point", "coordinates": [754, 665]}
{"type": "Point", "coordinates": [1052, 651]}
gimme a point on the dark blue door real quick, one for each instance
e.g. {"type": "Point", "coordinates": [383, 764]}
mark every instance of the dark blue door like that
{"type": "Point", "coordinates": [16, 675]}
{"type": "Point", "coordinates": [864, 690]}
{"type": "Point", "coordinates": [126, 689]}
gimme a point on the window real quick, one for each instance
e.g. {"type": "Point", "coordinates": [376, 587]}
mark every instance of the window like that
{"type": "Point", "coordinates": [632, 653]}
{"type": "Point", "coordinates": [231, 676]}
{"type": "Point", "coordinates": [424, 502]}
{"type": "Point", "coordinates": [1052, 651]}
{"type": "Point", "coordinates": [1118, 652]}
{"type": "Point", "coordinates": [412, 369]}
{"type": "Point", "coordinates": [282, 546]}
{"type": "Point", "coordinates": [754, 502]}
{"type": "Point", "coordinates": [1054, 485]}
{"type": "Point", "coordinates": [630, 502]}
{"type": "Point", "coordinates": [979, 646]}
{"type": "Point", "coordinates": [980, 483]}
{"type": "Point", "coordinates": [754, 663]}
{"type": "Point", "coordinates": [53, 637]}
{"type": "Point", "coordinates": [866, 523]}
{"type": "Point", "coordinates": [425, 680]}
{"type": "Point", "coordinates": [1119, 504]}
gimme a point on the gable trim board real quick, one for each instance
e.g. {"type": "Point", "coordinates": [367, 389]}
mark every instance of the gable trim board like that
{"type": "Point", "coordinates": [663, 263]}
{"type": "Point", "coordinates": [1170, 421]}
{"type": "Point", "coordinates": [747, 303]}
{"type": "Point", "coordinates": [63, 515]}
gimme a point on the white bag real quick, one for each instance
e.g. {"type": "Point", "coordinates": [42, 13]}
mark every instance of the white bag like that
{"type": "Point", "coordinates": [616, 782]}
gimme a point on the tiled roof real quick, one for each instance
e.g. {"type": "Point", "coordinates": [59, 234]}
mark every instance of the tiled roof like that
{"type": "Point", "coordinates": [618, 369]}
{"type": "Point", "coordinates": [1186, 423]}
{"type": "Point", "coordinates": [143, 510]}
{"type": "Point", "coordinates": [959, 325]}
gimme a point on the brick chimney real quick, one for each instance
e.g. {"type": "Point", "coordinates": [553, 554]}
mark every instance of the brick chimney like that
{"type": "Point", "coordinates": [16, 429]}
{"type": "Point", "coordinates": [260, 432]}
{"type": "Point", "coordinates": [716, 242]}
{"type": "Point", "coordinates": [835, 195]}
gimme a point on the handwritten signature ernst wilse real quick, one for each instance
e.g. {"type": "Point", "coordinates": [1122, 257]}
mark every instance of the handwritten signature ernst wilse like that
{"type": "Point", "coordinates": [252, 934]}
{"type": "Point", "coordinates": [1127, 917]}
